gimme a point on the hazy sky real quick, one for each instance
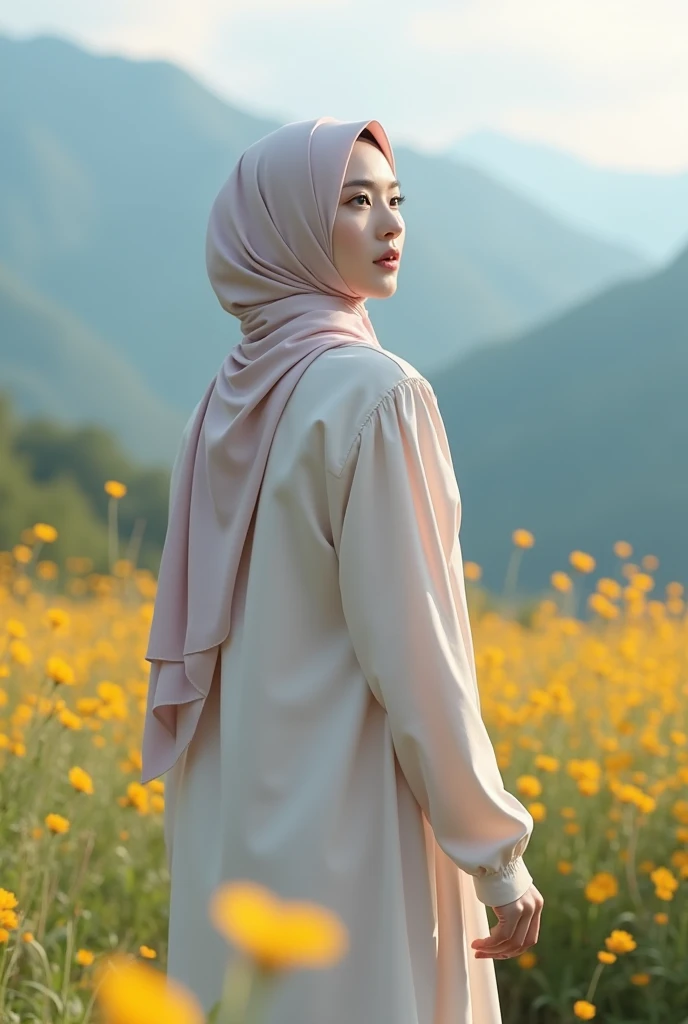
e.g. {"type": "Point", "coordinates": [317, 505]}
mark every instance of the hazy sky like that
{"type": "Point", "coordinates": [605, 79]}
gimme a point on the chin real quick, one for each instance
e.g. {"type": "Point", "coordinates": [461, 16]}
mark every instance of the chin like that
{"type": "Point", "coordinates": [382, 291]}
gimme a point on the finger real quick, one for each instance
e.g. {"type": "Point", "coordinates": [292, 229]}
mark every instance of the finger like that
{"type": "Point", "coordinates": [497, 936]}
{"type": "Point", "coordinates": [511, 945]}
{"type": "Point", "coordinates": [529, 939]}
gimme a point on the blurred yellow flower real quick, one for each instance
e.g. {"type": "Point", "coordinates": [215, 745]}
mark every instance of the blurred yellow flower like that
{"type": "Point", "coordinates": [602, 886]}
{"type": "Point", "coordinates": [523, 538]}
{"type": "Point", "coordinates": [44, 532]}
{"type": "Point", "coordinates": [606, 958]}
{"type": "Point", "coordinates": [81, 780]}
{"type": "Point", "coordinates": [131, 992]}
{"type": "Point", "coordinates": [147, 952]}
{"type": "Point", "coordinates": [581, 561]}
{"type": "Point", "coordinates": [472, 571]}
{"type": "Point", "coordinates": [15, 628]}
{"type": "Point", "coordinates": [528, 785]}
{"type": "Point", "coordinates": [664, 880]}
{"type": "Point", "coordinates": [538, 811]}
{"type": "Point", "coordinates": [584, 1010]}
{"type": "Point", "coordinates": [22, 553]}
{"type": "Point", "coordinates": [640, 979]}
{"type": "Point", "coordinates": [527, 960]}
{"type": "Point", "coordinates": [8, 900]}
{"type": "Point", "coordinates": [561, 581]}
{"type": "Point", "coordinates": [59, 671]}
{"type": "Point", "coordinates": [622, 549]}
{"type": "Point", "coordinates": [84, 957]}
{"type": "Point", "coordinates": [620, 941]}
{"type": "Point", "coordinates": [115, 489]}
{"type": "Point", "coordinates": [278, 935]}
{"type": "Point", "coordinates": [56, 823]}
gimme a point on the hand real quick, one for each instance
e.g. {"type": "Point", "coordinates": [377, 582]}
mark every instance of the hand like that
{"type": "Point", "coordinates": [517, 928]}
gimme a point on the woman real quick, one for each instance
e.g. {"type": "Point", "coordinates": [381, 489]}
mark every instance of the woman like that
{"type": "Point", "coordinates": [313, 697]}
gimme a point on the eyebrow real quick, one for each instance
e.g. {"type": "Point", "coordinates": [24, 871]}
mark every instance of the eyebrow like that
{"type": "Point", "coordinates": [368, 183]}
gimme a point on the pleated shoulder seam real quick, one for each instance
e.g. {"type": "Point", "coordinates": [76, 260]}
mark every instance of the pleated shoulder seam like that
{"type": "Point", "coordinates": [420, 381]}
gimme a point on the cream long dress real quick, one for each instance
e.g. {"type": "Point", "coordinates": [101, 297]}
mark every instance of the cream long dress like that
{"type": "Point", "coordinates": [343, 758]}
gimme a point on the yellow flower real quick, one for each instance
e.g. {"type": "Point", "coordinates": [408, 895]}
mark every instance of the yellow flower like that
{"type": "Point", "coordinates": [27, 937]}
{"type": "Point", "coordinates": [601, 887]}
{"type": "Point", "coordinates": [547, 763]}
{"type": "Point", "coordinates": [278, 935]}
{"type": "Point", "coordinates": [115, 489]}
{"type": "Point", "coordinates": [59, 671]}
{"type": "Point", "coordinates": [620, 941]}
{"type": "Point", "coordinates": [584, 1010]}
{"type": "Point", "coordinates": [8, 900]}
{"type": "Point", "coordinates": [130, 992]}
{"type": "Point", "coordinates": [664, 879]}
{"type": "Point", "coordinates": [582, 561]}
{"type": "Point", "coordinates": [149, 953]}
{"type": "Point", "coordinates": [529, 785]}
{"type": "Point", "coordinates": [70, 720]}
{"type": "Point", "coordinates": [564, 867]}
{"type": "Point", "coordinates": [523, 538]}
{"type": "Point", "coordinates": [609, 588]}
{"type": "Point", "coordinates": [16, 629]}
{"type": "Point", "coordinates": [45, 533]}
{"type": "Point", "coordinates": [57, 618]}
{"type": "Point", "coordinates": [661, 917]}
{"type": "Point", "coordinates": [640, 979]}
{"type": "Point", "coordinates": [4, 935]}
{"type": "Point", "coordinates": [472, 571]}
{"type": "Point", "coordinates": [622, 549]}
{"type": "Point", "coordinates": [527, 960]}
{"type": "Point", "coordinates": [538, 811]}
{"type": "Point", "coordinates": [606, 958]}
{"type": "Point", "coordinates": [56, 823]}
{"type": "Point", "coordinates": [9, 919]}
{"type": "Point", "coordinates": [561, 581]}
{"type": "Point", "coordinates": [85, 957]}
{"type": "Point", "coordinates": [81, 780]}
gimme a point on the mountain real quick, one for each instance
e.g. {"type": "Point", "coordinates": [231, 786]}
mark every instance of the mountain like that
{"type": "Point", "coordinates": [109, 170]}
{"type": "Point", "coordinates": [55, 367]}
{"type": "Point", "coordinates": [648, 212]}
{"type": "Point", "coordinates": [578, 431]}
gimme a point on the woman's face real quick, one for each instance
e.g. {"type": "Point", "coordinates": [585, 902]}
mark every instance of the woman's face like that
{"type": "Point", "coordinates": [367, 223]}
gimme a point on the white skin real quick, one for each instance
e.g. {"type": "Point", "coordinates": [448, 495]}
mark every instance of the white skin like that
{"type": "Point", "coordinates": [368, 222]}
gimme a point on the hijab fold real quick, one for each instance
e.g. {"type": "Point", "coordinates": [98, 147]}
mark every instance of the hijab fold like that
{"type": "Point", "coordinates": [269, 260]}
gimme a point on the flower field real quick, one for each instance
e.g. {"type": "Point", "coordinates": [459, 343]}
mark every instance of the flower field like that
{"type": "Point", "coordinates": [588, 712]}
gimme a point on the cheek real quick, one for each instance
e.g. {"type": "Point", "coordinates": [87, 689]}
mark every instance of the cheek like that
{"type": "Point", "coordinates": [348, 235]}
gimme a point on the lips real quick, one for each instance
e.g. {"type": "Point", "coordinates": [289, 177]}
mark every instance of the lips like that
{"type": "Point", "coordinates": [391, 254]}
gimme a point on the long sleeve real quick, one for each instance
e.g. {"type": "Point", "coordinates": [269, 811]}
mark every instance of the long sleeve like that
{"type": "Point", "coordinates": [396, 511]}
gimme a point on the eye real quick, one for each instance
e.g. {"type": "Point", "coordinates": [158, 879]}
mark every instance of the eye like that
{"type": "Point", "coordinates": [400, 199]}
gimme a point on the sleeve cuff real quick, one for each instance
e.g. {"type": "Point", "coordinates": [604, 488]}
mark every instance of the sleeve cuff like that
{"type": "Point", "coordinates": [498, 888]}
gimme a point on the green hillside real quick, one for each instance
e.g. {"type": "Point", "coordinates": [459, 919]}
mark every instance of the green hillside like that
{"type": "Point", "coordinates": [54, 473]}
{"type": "Point", "coordinates": [578, 431]}
{"type": "Point", "coordinates": [109, 170]}
{"type": "Point", "coordinates": [54, 366]}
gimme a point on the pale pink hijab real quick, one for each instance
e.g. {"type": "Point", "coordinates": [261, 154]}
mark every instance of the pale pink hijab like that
{"type": "Point", "coordinates": [269, 259]}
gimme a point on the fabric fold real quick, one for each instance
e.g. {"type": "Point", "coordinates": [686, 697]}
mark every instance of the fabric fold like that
{"type": "Point", "coordinates": [269, 260]}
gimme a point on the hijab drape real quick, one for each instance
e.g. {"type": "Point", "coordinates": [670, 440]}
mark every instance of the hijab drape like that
{"type": "Point", "coordinates": [269, 260]}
